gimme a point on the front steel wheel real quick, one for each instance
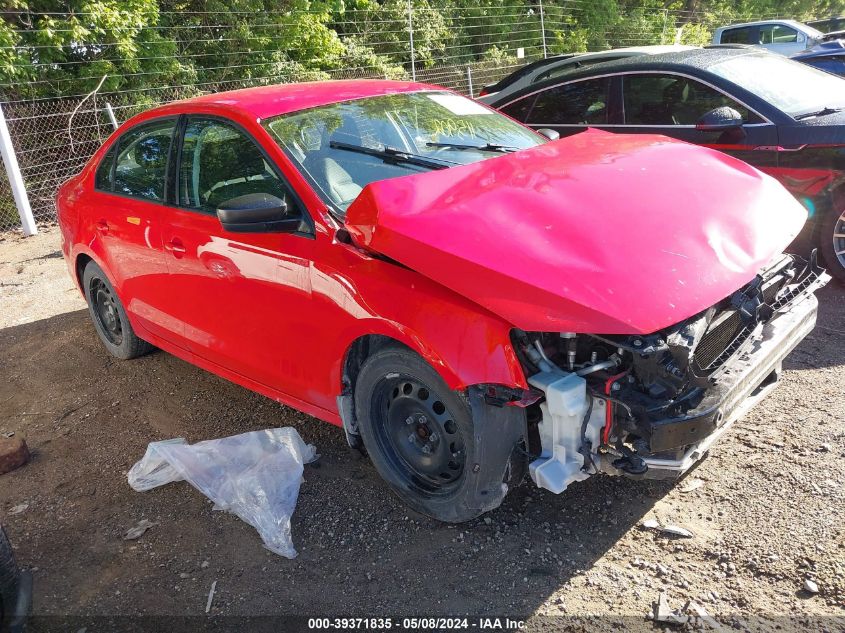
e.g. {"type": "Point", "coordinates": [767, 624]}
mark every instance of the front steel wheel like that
{"type": "Point", "coordinates": [421, 437]}
{"type": "Point", "coordinates": [417, 434]}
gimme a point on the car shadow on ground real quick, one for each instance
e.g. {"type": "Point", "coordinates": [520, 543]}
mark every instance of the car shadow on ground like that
{"type": "Point", "coordinates": [88, 418]}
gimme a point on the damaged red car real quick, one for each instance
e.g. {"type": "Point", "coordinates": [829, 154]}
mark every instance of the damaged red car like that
{"type": "Point", "coordinates": [472, 302]}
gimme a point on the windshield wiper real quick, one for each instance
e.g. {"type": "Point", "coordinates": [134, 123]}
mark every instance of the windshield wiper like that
{"type": "Point", "coordinates": [487, 147]}
{"type": "Point", "coordinates": [392, 155]}
{"type": "Point", "coordinates": [823, 112]}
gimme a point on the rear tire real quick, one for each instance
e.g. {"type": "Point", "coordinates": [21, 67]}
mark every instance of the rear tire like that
{"type": "Point", "coordinates": [109, 317]}
{"type": "Point", "coordinates": [418, 434]}
{"type": "Point", "coordinates": [833, 225]}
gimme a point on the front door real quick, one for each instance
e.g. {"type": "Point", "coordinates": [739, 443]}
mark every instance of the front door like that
{"type": "Point", "coordinates": [242, 297]}
{"type": "Point", "coordinates": [672, 104]}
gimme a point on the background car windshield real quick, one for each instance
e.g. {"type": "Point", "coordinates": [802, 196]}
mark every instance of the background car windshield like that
{"type": "Point", "coordinates": [421, 123]}
{"type": "Point", "coordinates": [791, 87]}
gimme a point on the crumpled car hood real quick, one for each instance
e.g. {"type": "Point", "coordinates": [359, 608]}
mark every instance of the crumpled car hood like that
{"type": "Point", "coordinates": [596, 233]}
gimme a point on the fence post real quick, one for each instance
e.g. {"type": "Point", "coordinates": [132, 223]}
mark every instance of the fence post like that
{"type": "Point", "coordinates": [543, 29]}
{"type": "Point", "coordinates": [469, 81]}
{"type": "Point", "coordinates": [112, 118]}
{"type": "Point", "coordinates": [15, 178]}
{"type": "Point", "coordinates": [411, 37]}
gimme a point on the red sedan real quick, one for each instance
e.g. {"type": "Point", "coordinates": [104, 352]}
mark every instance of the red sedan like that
{"type": "Point", "coordinates": [471, 301]}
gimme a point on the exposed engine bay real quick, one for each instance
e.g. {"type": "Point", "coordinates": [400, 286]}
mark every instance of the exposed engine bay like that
{"type": "Point", "coordinates": [652, 405]}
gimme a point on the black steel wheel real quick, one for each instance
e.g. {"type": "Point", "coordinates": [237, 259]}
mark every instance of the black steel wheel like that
{"type": "Point", "coordinates": [420, 435]}
{"type": "Point", "coordinates": [417, 434]}
{"type": "Point", "coordinates": [109, 317]}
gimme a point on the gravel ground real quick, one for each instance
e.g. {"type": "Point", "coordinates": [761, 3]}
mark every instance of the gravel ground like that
{"type": "Point", "coordinates": [767, 515]}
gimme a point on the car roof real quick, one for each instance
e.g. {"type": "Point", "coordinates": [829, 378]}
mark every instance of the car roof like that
{"type": "Point", "coordinates": [700, 58]}
{"type": "Point", "coordinates": [575, 59]}
{"type": "Point", "coordinates": [268, 101]}
{"type": "Point", "coordinates": [795, 23]}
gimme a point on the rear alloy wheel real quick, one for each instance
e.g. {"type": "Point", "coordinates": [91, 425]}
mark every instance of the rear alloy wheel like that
{"type": "Point", "coordinates": [832, 242]}
{"type": "Point", "coordinates": [109, 317]}
{"type": "Point", "coordinates": [418, 433]}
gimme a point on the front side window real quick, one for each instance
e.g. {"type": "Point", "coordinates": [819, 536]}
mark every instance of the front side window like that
{"type": "Point", "coordinates": [789, 86]}
{"type": "Point", "coordinates": [777, 34]}
{"type": "Point", "coordinates": [342, 147]}
{"type": "Point", "coordinates": [577, 103]}
{"type": "Point", "coordinates": [737, 36]}
{"type": "Point", "coordinates": [219, 163]}
{"type": "Point", "coordinates": [655, 99]}
{"type": "Point", "coordinates": [141, 167]}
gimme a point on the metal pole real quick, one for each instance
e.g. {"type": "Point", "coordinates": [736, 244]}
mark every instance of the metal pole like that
{"type": "Point", "coordinates": [469, 80]}
{"type": "Point", "coordinates": [15, 178]}
{"type": "Point", "coordinates": [543, 29]}
{"type": "Point", "coordinates": [112, 118]}
{"type": "Point", "coordinates": [411, 34]}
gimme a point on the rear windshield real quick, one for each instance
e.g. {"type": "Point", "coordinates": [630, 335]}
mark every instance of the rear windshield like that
{"type": "Point", "coordinates": [790, 86]}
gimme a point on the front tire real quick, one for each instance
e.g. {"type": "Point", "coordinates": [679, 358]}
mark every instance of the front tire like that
{"type": "Point", "coordinates": [419, 434]}
{"type": "Point", "coordinates": [832, 244]}
{"type": "Point", "coordinates": [109, 316]}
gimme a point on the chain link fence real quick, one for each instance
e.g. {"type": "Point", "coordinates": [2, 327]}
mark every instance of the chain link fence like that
{"type": "Point", "coordinates": [54, 136]}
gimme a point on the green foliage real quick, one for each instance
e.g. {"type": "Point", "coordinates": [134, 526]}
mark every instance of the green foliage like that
{"type": "Point", "coordinates": [157, 49]}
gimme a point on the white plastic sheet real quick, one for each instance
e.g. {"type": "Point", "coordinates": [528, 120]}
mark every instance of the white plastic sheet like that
{"type": "Point", "coordinates": [253, 475]}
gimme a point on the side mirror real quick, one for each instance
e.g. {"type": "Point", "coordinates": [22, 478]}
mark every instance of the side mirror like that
{"type": "Point", "coordinates": [552, 135]}
{"type": "Point", "coordinates": [257, 213]}
{"type": "Point", "coordinates": [719, 120]}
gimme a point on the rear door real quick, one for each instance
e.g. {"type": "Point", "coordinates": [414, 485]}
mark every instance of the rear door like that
{"type": "Point", "coordinates": [242, 298]}
{"type": "Point", "coordinates": [566, 108]}
{"type": "Point", "coordinates": [672, 104]}
{"type": "Point", "coordinates": [129, 197]}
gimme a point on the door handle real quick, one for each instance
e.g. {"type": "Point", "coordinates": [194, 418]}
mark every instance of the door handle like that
{"type": "Point", "coordinates": [175, 246]}
{"type": "Point", "coordinates": [102, 226]}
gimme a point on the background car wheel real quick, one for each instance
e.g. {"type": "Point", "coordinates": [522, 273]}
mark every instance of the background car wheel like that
{"type": "Point", "coordinates": [418, 433]}
{"type": "Point", "coordinates": [109, 317]}
{"type": "Point", "coordinates": [832, 244]}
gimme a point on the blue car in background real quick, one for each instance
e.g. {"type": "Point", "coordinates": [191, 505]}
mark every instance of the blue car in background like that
{"type": "Point", "coordinates": [827, 56]}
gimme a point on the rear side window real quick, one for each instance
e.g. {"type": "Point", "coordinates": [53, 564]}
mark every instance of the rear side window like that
{"type": "Point", "coordinates": [141, 167]}
{"type": "Point", "coordinates": [103, 178]}
{"type": "Point", "coordinates": [218, 163]}
{"type": "Point", "coordinates": [737, 36]}
{"type": "Point", "coordinates": [577, 103]}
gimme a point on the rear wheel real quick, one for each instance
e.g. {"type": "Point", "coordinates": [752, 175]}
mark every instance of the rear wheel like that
{"type": "Point", "coordinates": [109, 317]}
{"type": "Point", "coordinates": [832, 244]}
{"type": "Point", "coordinates": [418, 433]}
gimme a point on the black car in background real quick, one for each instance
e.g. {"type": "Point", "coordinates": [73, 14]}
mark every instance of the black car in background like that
{"type": "Point", "coordinates": [15, 590]}
{"type": "Point", "coordinates": [785, 118]}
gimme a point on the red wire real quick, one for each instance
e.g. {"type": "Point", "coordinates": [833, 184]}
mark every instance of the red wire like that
{"type": "Point", "coordinates": [608, 411]}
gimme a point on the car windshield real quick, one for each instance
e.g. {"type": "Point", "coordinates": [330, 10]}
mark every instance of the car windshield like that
{"type": "Point", "coordinates": [344, 146]}
{"type": "Point", "coordinates": [792, 87]}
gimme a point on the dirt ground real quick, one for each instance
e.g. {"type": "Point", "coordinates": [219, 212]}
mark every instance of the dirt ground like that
{"type": "Point", "coordinates": [768, 515]}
